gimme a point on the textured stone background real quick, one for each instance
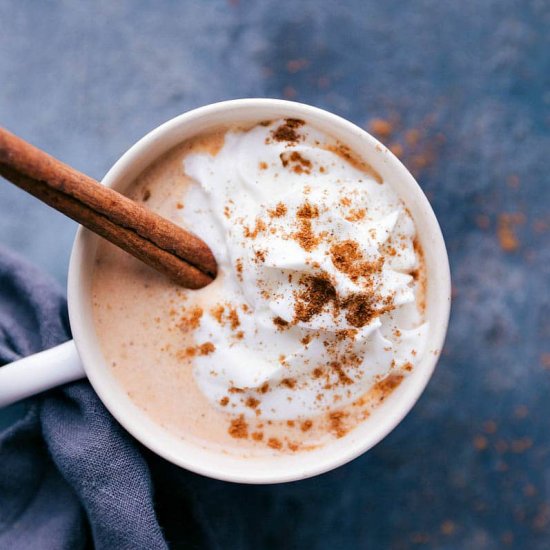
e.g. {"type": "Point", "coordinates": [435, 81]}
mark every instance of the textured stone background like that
{"type": "Point", "coordinates": [470, 466]}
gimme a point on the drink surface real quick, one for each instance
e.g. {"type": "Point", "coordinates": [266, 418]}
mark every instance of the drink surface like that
{"type": "Point", "coordinates": [317, 311]}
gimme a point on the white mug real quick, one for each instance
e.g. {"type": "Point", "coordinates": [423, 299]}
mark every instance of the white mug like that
{"type": "Point", "coordinates": [82, 357]}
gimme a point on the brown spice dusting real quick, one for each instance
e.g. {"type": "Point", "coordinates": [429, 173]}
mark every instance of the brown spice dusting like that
{"type": "Point", "coordinates": [356, 214]}
{"type": "Point", "coordinates": [280, 323]}
{"type": "Point", "coordinates": [279, 211]}
{"type": "Point", "coordinates": [345, 201]}
{"type": "Point", "coordinates": [263, 165]}
{"type": "Point", "coordinates": [274, 443]}
{"type": "Point", "coordinates": [336, 423]}
{"type": "Point", "coordinates": [234, 320]}
{"type": "Point", "coordinates": [306, 425]}
{"type": "Point", "coordinates": [233, 389]}
{"type": "Point", "coordinates": [290, 423]}
{"type": "Point", "coordinates": [258, 228]}
{"type": "Point", "coordinates": [343, 378]}
{"type": "Point", "coordinates": [252, 402]}
{"type": "Point", "coordinates": [224, 401]}
{"type": "Point", "coordinates": [306, 339]}
{"type": "Point", "coordinates": [238, 428]}
{"type": "Point", "coordinates": [408, 367]}
{"type": "Point", "coordinates": [490, 427]}
{"type": "Point", "coordinates": [287, 130]}
{"type": "Point", "coordinates": [257, 436]}
{"type": "Point", "coordinates": [207, 348]}
{"type": "Point", "coordinates": [361, 309]}
{"type": "Point", "coordinates": [380, 127]}
{"type": "Point", "coordinates": [179, 205]}
{"type": "Point", "coordinates": [296, 65]}
{"type": "Point", "coordinates": [480, 442]}
{"type": "Point", "coordinates": [191, 320]}
{"type": "Point", "coordinates": [507, 237]}
{"type": "Point", "coordinates": [318, 292]}
{"type": "Point", "coordinates": [296, 162]}
{"type": "Point", "coordinates": [217, 313]}
{"type": "Point", "coordinates": [260, 255]}
{"type": "Point", "coordinates": [397, 149]}
{"type": "Point", "coordinates": [264, 388]}
{"type": "Point", "coordinates": [188, 352]}
{"type": "Point", "coordinates": [347, 258]}
{"type": "Point", "coordinates": [412, 137]}
{"type": "Point", "coordinates": [344, 152]}
{"type": "Point", "coordinates": [305, 236]}
{"type": "Point", "coordinates": [386, 386]}
{"type": "Point", "coordinates": [239, 268]}
{"type": "Point", "coordinates": [317, 372]}
{"type": "Point", "coordinates": [289, 383]}
{"type": "Point", "coordinates": [308, 211]}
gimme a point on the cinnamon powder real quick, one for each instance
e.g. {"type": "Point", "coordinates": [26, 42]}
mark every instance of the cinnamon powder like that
{"type": "Point", "coordinates": [238, 428]}
{"type": "Point", "coordinates": [288, 130]}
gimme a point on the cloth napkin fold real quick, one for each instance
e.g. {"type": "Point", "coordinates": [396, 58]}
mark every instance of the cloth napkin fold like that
{"type": "Point", "coordinates": [70, 477]}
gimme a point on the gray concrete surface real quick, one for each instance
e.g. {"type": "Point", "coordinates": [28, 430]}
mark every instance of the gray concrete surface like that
{"type": "Point", "coordinates": [470, 466]}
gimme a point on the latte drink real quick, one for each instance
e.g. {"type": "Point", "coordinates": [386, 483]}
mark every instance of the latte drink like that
{"type": "Point", "coordinates": [317, 311]}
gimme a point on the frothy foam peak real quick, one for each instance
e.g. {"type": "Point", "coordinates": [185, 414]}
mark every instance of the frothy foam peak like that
{"type": "Point", "coordinates": [316, 299]}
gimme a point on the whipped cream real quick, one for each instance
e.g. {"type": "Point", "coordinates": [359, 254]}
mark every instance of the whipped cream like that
{"type": "Point", "coordinates": [315, 299]}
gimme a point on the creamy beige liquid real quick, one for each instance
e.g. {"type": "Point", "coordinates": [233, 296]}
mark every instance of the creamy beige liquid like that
{"type": "Point", "coordinates": [144, 324]}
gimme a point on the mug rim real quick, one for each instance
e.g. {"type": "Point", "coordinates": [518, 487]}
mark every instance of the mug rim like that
{"type": "Point", "coordinates": [87, 346]}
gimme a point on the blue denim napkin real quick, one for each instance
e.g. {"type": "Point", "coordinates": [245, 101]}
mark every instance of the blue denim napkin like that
{"type": "Point", "coordinates": [70, 477]}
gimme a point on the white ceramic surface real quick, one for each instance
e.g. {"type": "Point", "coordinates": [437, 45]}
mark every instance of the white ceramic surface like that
{"type": "Point", "coordinates": [62, 364]}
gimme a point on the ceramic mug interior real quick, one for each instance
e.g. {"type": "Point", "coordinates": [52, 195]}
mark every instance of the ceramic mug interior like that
{"type": "Point", "coordinates": [280, 468]}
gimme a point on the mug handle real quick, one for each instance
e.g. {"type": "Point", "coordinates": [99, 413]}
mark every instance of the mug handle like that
{"type": "Point", "coordinates": [39, 372]}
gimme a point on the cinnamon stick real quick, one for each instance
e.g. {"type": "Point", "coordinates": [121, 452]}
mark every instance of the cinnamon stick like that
{"type": "Point", "coordinates": [153, 239]}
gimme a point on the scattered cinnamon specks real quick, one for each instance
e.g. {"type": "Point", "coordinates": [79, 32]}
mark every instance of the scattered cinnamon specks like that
{"type": "Point", "coordinates": [239, 268]}
{"type": "Point", "coordinates": [274, 443]}
{"type": "Point", "coordinates": [337, 423]}
{"type": "Point", "coordinates": [306, 425]}
{"type": "Point", "coordinates": [448, 527]}
{"type": "Point", "coordinates": [288, 130]}
{"type": "Point", "coordinates": [279, 211]}
{"type": "Point", "coordinates": [191, 319]}
{"type": "Point", "coordinates": [356, 214]}
{"type": "Point", "coordinates": [280, 323]}
{"type": "Point", "coordinates": [296, 65]}
{"type": "Point", "coordinates": [387, 385]}
{"type": "Point", "coordinates": [380, 127]}
{"type": "Point", "coordinates": [296, 162]}
{"type": "Point", "coordinates": [207, 348]}
{"type": "Point", "coordinates": [316, 294]}
{"type": "Point", "coordinates": [234, 320]}
{"type": "Point", "coordinates": [344, 152]}
{"type": "Point", "coordinates": [289, 383]}
{"type": "Point", "coordinates": [506, 233]}
{"type": "Point", "coordinates": [416, 147]}
{"type": "Point", "coordinates": [217, 312]}
{"type": "Point", "coordinates": [238, 428]}
{"type": "Point", "coordinates": [480, 442]}
{"type": "Point", "coordinates": [258, 228]}
{"type": "Point", "coordinates": [252, 402]}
